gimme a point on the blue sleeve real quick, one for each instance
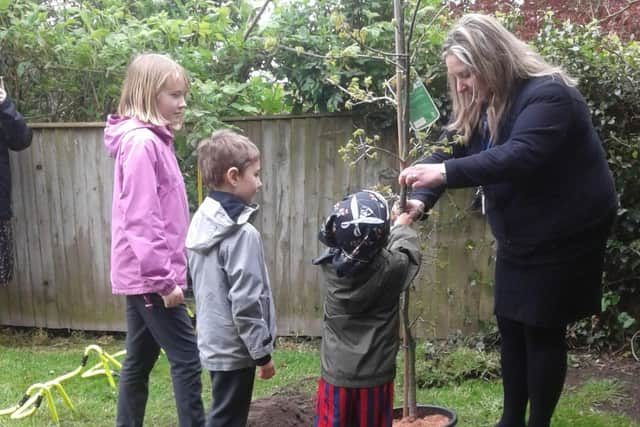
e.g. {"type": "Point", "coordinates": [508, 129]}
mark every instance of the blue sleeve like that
{"type": "Point", "coordinates": [429, 196]}
{"type": "Point", "coordinates": [15, 132]}
{"type": "Point", "coordinates": [538, 133]}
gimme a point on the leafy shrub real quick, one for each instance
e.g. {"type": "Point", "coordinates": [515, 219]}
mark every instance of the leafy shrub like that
{"type": "Point", "coordinates": [65, 61]}
{"type": "Point", "coordinates": [609, 73]}
{"type": "Point", "coordinates": [446, 363]}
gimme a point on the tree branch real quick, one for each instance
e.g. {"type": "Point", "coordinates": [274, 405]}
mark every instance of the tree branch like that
{"type": "Point", "coordinates": [255, 20]}
{"type": "Point", "coordinates": [425, 33]}
{"type": "Point", "coordinates": [630, 4]}
{"type": "Point", "coordinates": [368, 100]}
{"type": "Point", "coordinates": [376, 51]}
{"type": "Point", "coordinates": [326, 57]}
{"type": "Point", "coordinates": [416, 319]}
{"type": "Point", "coordinates": [412, 26]}
{"type": "Point", "coordinates": [385, 151]}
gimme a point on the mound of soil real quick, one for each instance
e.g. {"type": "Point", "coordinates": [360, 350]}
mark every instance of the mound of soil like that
{"type": "Point", "coordinates": [284, 409]}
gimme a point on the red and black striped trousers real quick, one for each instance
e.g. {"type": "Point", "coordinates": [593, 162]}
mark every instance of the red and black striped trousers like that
{"type": "Point", "coordinates": [354, 407]}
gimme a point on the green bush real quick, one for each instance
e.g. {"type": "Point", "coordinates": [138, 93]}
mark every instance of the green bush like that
{"type": "Point", "coordinates": [454, 365]}
{"type": "Point", "coordinates": [65, 61]}
{"type": "Point", "coordinates": [609, 73]}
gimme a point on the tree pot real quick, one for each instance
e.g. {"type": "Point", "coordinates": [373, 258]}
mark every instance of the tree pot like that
{"type": "Point", "coordinates": [424, 410]}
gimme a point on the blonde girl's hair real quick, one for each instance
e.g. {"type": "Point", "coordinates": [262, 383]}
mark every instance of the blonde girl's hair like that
{"type": "Point", "coordinates": [146, 75]}
{"type": "Point", "coordinates": [223, 150]}
{"type": "Point", "coordinates": [500, 61]}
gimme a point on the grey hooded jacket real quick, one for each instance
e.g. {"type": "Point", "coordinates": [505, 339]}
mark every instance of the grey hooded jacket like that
{"type": "Point", "coordinates": [236, 320]}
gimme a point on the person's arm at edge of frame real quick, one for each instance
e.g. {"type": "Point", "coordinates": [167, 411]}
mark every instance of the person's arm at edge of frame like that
{"type": "Point", "coordinates": [244, 269]}
{"type": "Point", "coordinates": [17, 134]}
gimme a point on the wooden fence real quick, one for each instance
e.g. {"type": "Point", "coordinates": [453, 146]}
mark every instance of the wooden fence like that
{"type": "Point", "coordinates": [62, 202]}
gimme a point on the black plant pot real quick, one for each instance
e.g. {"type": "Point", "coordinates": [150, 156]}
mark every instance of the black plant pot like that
{"type": "Point", "coordinates": [424, 410]}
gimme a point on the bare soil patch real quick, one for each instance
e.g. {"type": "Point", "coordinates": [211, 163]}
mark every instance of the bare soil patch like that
{"type": "Point", "coordinates": [293, 406]}
{"type": "Point", "coordinates": [623, 369]}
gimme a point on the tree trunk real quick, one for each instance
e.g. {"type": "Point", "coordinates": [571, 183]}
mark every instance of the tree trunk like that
{"type": "Point", "coordinates": [402, 73]}
{"type": "Point", "coordinates": [409, 407]}
{"type": "Point", "coordinates": [402, 112]}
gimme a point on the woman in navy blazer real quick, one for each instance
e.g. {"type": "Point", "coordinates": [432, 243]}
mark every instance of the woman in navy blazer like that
{"type": "Point", "coordinates": [522, 133]}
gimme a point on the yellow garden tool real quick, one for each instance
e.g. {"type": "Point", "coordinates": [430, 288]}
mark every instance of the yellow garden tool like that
{"type": "Point", "coordinates": [34, 395]}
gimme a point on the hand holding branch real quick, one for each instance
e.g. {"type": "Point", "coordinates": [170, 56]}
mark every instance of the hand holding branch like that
{"type": "Point", "coordinates": [424, 175]}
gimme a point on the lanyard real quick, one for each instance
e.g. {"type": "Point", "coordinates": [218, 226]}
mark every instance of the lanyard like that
{"type": "Point", "coordinates": [487, 139]}
{"type": "Point", "coordinates": [487, 143]}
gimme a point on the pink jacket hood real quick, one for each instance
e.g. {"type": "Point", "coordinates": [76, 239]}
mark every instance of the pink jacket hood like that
{"type": "Point", "coordinates": [149, 214]}
{"type": "Point", "coordinates": [118, 126]}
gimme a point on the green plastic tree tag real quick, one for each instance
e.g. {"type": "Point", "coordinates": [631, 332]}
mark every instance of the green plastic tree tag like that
{"type": "Point", "coordinates": [422, 110]}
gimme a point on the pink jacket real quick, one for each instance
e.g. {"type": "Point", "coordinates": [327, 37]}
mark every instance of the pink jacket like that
{"type": "Point", "coordinates": [149, 213]}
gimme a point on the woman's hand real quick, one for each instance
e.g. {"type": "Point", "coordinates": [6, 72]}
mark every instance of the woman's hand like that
{"type": "Point", "coordinates": [423, 175]}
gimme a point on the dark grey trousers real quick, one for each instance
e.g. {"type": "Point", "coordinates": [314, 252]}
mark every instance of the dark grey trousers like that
{"type": "Point", "coordinates": [151, 326]}
{"type": "Point", "coordinates": [231, 392]}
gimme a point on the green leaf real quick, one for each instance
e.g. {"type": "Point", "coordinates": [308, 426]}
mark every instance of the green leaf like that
{"type": "Point", "coordinates": [250, 109]}
{"type": "Point", "coordinates": [626, 320]}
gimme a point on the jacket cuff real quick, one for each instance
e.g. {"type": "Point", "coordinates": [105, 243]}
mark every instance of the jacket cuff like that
{"type": "Point", "coordinates": [167, 289]}
{"type": "Point", "coordinates": [263, 360]}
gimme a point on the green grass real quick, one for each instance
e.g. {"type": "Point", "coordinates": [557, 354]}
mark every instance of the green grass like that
{"type": "Point", "coordinates": [26, 359]}
{"type": "Point", "coordinates": [29, 358]}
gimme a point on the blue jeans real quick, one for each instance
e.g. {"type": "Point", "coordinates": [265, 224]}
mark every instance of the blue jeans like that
{"type": "Point", "coordinates": [151, 326]}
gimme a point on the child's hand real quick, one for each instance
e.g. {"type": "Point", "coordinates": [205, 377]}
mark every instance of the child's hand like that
{"type": "Point", "coordinates": [266, 371]}
{"type": "Point", "coordinates": [404, 218]}
{"type": "Point", "coordinates": [175, 298]}
{"type": "Point", "coordinates": [414, 207]}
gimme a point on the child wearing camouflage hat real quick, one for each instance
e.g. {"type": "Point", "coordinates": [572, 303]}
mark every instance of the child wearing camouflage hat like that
{"type": "Point", "coordinates": [367, 265]}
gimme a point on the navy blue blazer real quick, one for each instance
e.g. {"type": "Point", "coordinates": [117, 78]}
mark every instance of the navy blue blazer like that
{"type": "Point", "coordinates": [550, 201]}
{"type": "Point", "coordinates": [545, 178]}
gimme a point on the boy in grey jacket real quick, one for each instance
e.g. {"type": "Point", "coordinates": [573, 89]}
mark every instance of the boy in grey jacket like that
{"type": "Point", "coordinates": [367, 266]}
{"type": "Point", "coordinates": [236, 317]}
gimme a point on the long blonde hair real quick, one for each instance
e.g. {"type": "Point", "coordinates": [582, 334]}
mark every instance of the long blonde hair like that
{"type": "Point", "coordinates": [146, 75]}
{"type": "Point", "coordinates": [499, 60]}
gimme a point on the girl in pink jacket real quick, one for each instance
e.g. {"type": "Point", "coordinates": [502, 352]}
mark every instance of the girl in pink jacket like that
{"type": "Point", "coordinates": [149, 222]}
